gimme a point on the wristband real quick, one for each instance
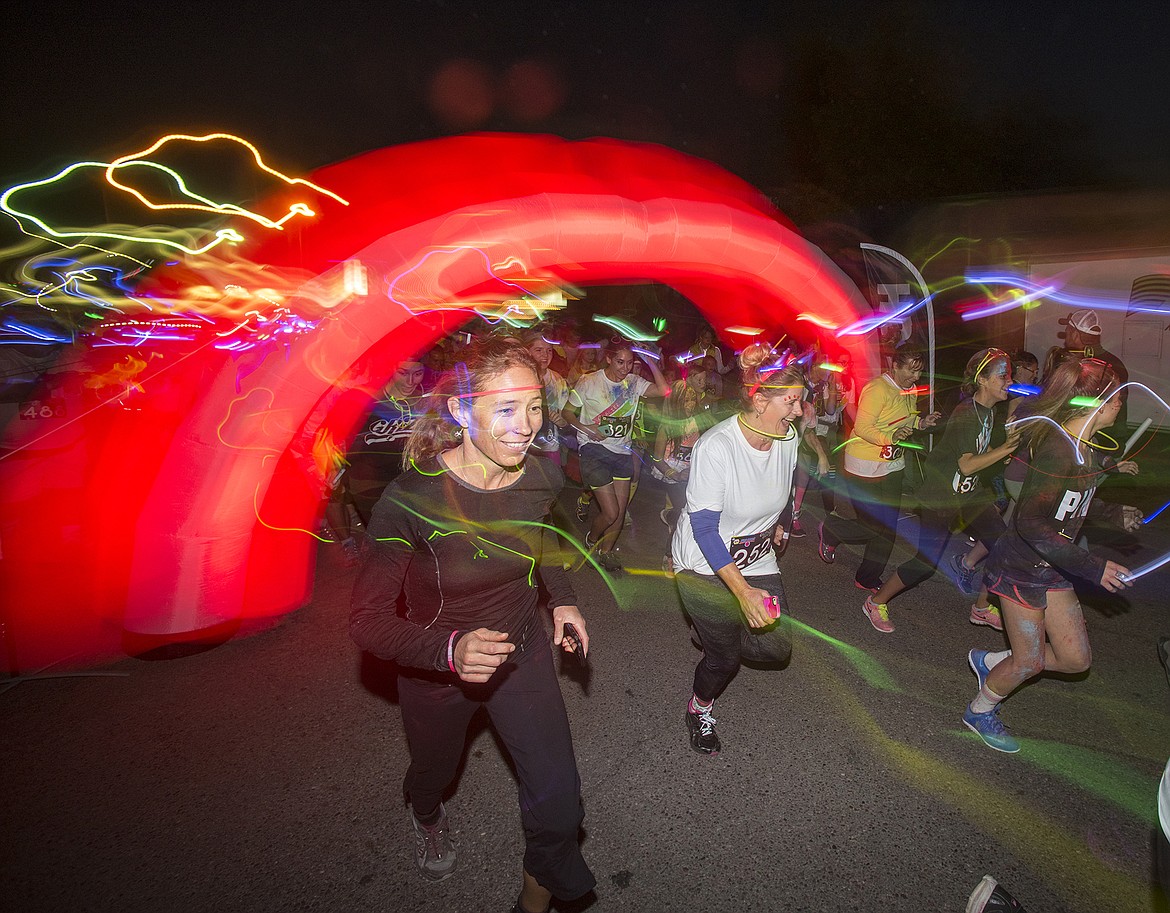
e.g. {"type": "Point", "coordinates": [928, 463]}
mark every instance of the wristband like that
{"type": "Point", "coordinates": [451, 652]}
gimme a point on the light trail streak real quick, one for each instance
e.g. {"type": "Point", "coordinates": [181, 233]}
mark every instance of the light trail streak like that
{"type": "Point", "coordinates": [1052, 292]}
{"type": "Point", "coordinates": [208, 137]}
{"type": "Point", "coordinates": [1154, 515]}
{"type": "Point", "coordinates": [1013, 302]}
{"type": "Point", "coordinates": [626, 329]}
{"type": "Point", "coordinates": [221, 236]}
{"type": "Point", "coordinates": [873, 322]}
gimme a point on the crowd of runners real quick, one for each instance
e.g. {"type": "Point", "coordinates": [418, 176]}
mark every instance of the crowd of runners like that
{"type": "Point", "coordinates": [451, 504]}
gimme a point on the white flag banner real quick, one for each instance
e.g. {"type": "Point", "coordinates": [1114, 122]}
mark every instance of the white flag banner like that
{"type": "Point", "coordinates": [897, 288]}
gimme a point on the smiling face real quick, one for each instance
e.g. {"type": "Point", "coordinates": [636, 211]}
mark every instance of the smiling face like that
{"type": "Point", "coordinates": [993, 382]}
{"type": "Point", "coordinates": [779, 411]}
{"type": "Point", "coordinates": [407, 379]}
{"type": "Point", "coordinates": [500, 422]}
{"type": "Point", "coordinates": [619, 364]}
{"type": "Point", "coordinates": [542, 352]}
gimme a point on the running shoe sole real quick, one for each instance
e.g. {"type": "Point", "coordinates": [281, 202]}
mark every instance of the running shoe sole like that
{"type": "Point", "coordinates": [981, 677]}
{"type": "Point", "coordinates": [1010, 747]}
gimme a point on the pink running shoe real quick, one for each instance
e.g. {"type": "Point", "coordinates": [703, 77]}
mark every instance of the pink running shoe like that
{"type": "Point", "coordinates": [878, 615]}
{"type": "Point", "coordinates": [986, 616]}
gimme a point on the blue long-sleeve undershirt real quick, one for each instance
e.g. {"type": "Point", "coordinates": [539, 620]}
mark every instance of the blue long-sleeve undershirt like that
{"type": "Point", "coordinates": [705, 529]}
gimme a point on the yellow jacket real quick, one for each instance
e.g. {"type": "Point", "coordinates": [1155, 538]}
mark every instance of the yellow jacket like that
{"type": "Point", "coordinates": [882, 409]}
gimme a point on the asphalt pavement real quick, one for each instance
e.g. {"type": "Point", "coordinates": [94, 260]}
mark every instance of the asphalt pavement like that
{"type": "Point", "coordinates": [265, 774]}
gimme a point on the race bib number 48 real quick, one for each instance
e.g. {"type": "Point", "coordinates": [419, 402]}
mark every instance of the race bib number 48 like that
{"type": "Point", "coordinates": [39, 408]}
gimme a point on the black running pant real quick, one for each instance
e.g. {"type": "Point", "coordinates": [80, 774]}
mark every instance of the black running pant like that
{"type": "Point", "coordinates": [523, 699]}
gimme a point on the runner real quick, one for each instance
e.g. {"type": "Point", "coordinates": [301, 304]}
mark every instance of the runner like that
{"type": "Point", "coordinates": [738, 508]}
{"type": "Point", "coordinates": [952, 497]}
{"type": "Point", "coordinates": [1030, 567]}
{"type": "Point", "coordinates": [671, 462]}
{"type": "Point", "coordinates": [887, 415]}
{"type": "Point", "coordinates": [602, 408]}
{"type": "Point", "coordinates": [460, 533]}
{"type": "Point", "coordinates": [556, 393]}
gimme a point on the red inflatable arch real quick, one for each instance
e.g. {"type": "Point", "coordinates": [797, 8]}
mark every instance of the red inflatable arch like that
{"type": "Point", "coordinates": [191, 514]}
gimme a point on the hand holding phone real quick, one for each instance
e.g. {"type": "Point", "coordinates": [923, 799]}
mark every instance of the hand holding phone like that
{"type": "Point", "coordinates": [570, 636]}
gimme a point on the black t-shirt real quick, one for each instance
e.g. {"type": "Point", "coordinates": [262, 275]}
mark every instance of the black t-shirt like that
{"type": "Point", "coordinates": [375, 456]}
{"type": "Point", "coordinates": [467, 558]}
{"type": "Point", "coordinates": [969, 429]}
{"type": "Point", "coordinates": [1040, 548]}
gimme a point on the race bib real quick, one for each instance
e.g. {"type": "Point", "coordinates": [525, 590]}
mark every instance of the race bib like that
{"type": "Point", "coordinates": [683, 453]}
{"type": "Point", "coordinates": [40, 408]}
{"type": "Point", "coordinates": [747, 550]}
{"type": "Point", "coordinates": [891, 452]}
{"type": "Point", "coordinates": [616, 427]}
{"type": "Point", "coordinates": [964, 484]}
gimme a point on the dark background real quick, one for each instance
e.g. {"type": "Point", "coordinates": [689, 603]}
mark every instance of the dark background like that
{"type": "Point", "coordinates": [852, 117]}
{"type": "Point", "coordinates": [831, 107]}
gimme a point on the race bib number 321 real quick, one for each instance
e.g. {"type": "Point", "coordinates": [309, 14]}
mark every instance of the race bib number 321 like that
{"type": "Point", "coordinates": [616, 427]}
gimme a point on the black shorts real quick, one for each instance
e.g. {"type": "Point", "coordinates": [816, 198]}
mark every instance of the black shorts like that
{"type": "Point", "coordinates": [600, 466]}
{"type": "Point", "coordinates": [1030, 595]}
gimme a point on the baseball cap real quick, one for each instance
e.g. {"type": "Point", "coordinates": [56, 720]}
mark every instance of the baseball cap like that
{"type": "Point", "coordinates": [1084, 321]}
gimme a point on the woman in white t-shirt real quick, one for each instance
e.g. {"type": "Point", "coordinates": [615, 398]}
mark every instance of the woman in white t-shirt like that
{"type": "Point", "coordinates": [602, 407]}
{"type": "Point", "coordinates": [738, 508]}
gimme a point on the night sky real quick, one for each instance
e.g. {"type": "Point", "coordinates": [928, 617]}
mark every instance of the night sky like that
{"type": "Point", "coordinates": [863, 105]}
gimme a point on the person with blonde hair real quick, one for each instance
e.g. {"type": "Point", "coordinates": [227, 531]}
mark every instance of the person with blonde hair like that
{"type": "Point", "coordinates": [1031, 568]}
{"type": "Point", "coordinates": [737, 513]}
{"type": "Point", "coordinates": [460, 533]}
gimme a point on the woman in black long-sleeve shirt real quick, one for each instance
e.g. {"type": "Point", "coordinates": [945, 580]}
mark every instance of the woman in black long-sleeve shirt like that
{"type": "Point", "coordinates": [1029, 568]}
{"type": "Point", "coordinates": [461, 532]}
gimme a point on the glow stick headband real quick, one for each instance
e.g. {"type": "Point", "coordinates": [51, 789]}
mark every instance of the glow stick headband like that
{"type": "Point", "coordinates": [992, 355]}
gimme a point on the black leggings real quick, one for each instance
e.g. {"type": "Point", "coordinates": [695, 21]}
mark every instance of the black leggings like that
{"type": "Point", "coordinates": [524, 702]}
{"type": "Point", "coordinates": [986, 525]}
{"type": "Point", "coordinates": [877, 502]}
{"type": "Point", "coordinates": [724, 633]}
